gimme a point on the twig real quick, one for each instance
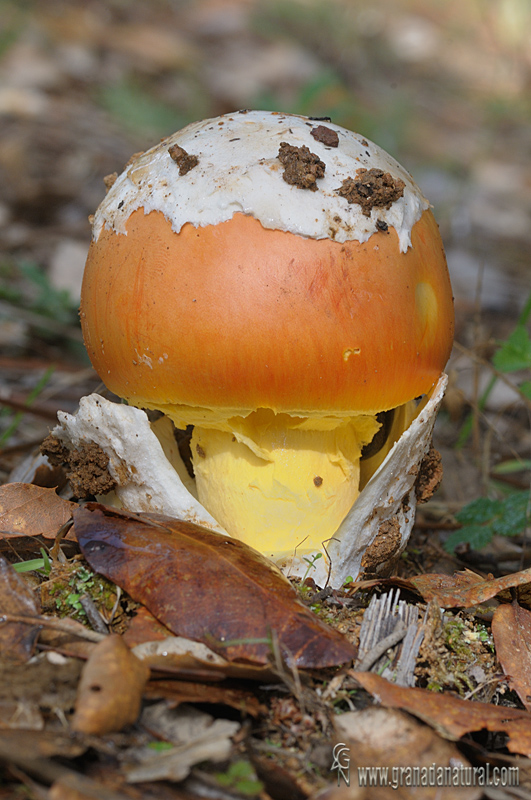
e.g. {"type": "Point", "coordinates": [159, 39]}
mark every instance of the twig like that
{"type": "Point", "coordinates": [49, 772]}
{"type": "Point", "coordinates": [476, 327]}
{"type": "Point", "coordinates": [64, 626]}
{"type": "Point", "coordinates": [323, 545]}
{"type": "Point", "coordinates": [500, 375]}
{"type": "Point", "coordinates": [20, 447]}
{"type": "Point", "coordinates": [115, 606]}
{"type": "Point", "coordinates": [380, 648]}
{"type": "Point", "coordinates": [496, 679]}
{"type": "Point", "coordinates": [293, 681]}
{"type": "Point", "coordinates": [60, 535]}
{"type": "Point", "coordinates": [93, 615]}
{"type": "Point", "coordinates": [424, 524]}
{"type": "Point", "coordinates": [25, 407]}
{"type": "Point", "coordinates": [41, 321]}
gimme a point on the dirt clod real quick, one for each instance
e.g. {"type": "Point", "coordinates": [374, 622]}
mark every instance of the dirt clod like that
{"type": "Point", "coordinates": [86, 468]}
{"type": "Point", "coordinates": [372, 188]}
{"type": "Point", "coordinates": [88, 474]}
{"type": "Point", "coordinates": [302, 168]}
{"type": "Point", "coordinates": [110, 180]}
{"type": "Point", "coordinates": [325, 135]}
{"type": "Point", "coordinates": [430, 476]}
{"type": "Point", "coordinates": [54, 450]}
{"type": "Point", "coordinates": [384, 546]}
{"type": "Point", "coordinates": [184, 160]}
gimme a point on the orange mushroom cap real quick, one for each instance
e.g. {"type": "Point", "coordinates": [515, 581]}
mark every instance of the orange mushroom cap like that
{"type": "Point", "coordinates": [236, 316]}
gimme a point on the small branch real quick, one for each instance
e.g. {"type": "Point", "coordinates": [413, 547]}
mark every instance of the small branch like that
{"type": "Point", "coordinates": [41, 321]}
{"type": "Point", "coordinates": [380, 648]}
{"type": "Point", "coordinates": [500, 375]}
{"type": "Point", "coordinates": [93, 615]}
{"type": "Point", "coordinates": [64, 626]}
{"type": "Point", "coordinates": [24, 407]}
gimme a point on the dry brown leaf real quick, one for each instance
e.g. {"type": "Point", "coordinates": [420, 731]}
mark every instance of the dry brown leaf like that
{"type": "Point", "coordinates": [17, 638]}
{"type": "Point", "coordinates": [183, 658]}
{"type": "Point", "coordinates": [466, 589]}
{"type": "Point", "coordinates": [144, 627]}
{"type": "Point", "coordinates": [511, 629]}
{"type": "Point", "coordinates": [451, 716]}
{"type": "Point", "coordinates": [207, 587]}
{"type": "Point", "coordinates": [151, 47]}
{"type": "Point", "coordinates": [344, 792]}
{"type": "Point", "coordinates": [28, 510]}
{"type": "Point", "coordinates": [32, 752]}
{"type": "Point", "coordinates": [177, 657]}
{"type": "Point", "coordinates": [74, 787]}
{"type": "Point", "coordinates": [110, 689]}
{"type": "Point", "coordinates": [178, 692]}
{"type": "Point", "coordinates": [461, 590]}
{"type": "Point", "coordinates": [286, 782]}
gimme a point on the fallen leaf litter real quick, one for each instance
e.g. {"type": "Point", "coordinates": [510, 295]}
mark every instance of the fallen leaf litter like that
{"type": "Point", "coordinates": [294, 713]}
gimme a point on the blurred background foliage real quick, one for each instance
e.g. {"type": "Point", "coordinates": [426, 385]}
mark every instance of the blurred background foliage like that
{"type": "Point", "coordinates": [443, 85]}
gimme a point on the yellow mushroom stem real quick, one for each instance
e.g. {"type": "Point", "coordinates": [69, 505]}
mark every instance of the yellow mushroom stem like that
{"type": "Point", "coordinates": [280, 483]}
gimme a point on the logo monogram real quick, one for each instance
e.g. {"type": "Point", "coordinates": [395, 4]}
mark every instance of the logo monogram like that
{"type": "Point", "coordinates": [341, 762]}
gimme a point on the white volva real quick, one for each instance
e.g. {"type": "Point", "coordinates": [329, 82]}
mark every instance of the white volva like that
{"type": "Point", "coordinates": [147, 481]}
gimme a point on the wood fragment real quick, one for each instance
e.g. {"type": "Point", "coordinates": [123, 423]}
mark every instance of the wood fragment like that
{"type": "Point", "coordinates": [69, 626]}
{"type": "Point", "coordinates": [387, 622]}
{"type": "Point", "coordinates": [93, 615]}
{"type": "Point", "coordinates": [381, 647]}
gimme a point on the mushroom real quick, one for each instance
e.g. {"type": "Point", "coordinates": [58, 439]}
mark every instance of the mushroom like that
{"type": "Point", "coordinates": [280, 285]}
